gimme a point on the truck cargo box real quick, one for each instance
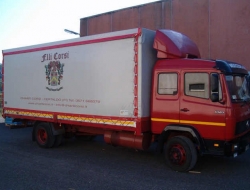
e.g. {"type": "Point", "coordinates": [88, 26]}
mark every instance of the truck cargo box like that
{"type": "Point", "coordinates": [102, 79]}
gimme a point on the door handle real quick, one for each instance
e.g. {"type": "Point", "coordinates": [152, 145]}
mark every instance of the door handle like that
{"type": "Point", "coordinates": [185, 109]}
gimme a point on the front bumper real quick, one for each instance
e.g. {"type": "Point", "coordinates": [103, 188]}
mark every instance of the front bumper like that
{"type": "Point", "coordinates": [237, 146]}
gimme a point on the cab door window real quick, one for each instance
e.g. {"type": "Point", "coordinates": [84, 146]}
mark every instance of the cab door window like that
{"type": "Point", "coordinates": [167, 84]}
{"type": "Point", "coordinates": [197, 85]}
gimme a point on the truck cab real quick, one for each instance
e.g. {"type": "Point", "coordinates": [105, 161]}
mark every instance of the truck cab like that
{"type": "Point", "coordinates": [205, 101]}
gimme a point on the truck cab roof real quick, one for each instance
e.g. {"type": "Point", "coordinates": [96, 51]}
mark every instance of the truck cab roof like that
{"type": "Point", "coordinates": [172, 44]}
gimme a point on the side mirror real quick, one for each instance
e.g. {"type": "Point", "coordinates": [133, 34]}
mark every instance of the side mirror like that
{"type": "Point", "coordinates": [248, 81]}
{"type": "Point", "coordinates": [214, 81]}
{"type": "Point", "coordinates": [215, 97]}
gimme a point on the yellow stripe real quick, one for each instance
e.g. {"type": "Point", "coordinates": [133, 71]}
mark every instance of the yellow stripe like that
{"type": "Point", "coordinates": [96, 120]}
{"type": "Point", "coordinates": [27, 113]}
{"type": "Point", "coordinates": [73, 118]}
{"type": "Point", "coordinates": [165, 120]}
{"type": "Point", "coordinates": [203, 123]}
{"type": "Point", "coordinates": [188, 122]}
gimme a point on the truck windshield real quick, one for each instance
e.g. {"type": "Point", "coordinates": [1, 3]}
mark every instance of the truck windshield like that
{"type": "Point", "coordinates": [238, 86]}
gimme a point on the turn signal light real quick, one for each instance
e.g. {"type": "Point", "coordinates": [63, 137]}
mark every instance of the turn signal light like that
{"type": "Point", "coordinates": [216, 145]}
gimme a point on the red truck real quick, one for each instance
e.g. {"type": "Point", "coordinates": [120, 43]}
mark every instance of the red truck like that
{"type": "Point", "coordinates": [134, 87]}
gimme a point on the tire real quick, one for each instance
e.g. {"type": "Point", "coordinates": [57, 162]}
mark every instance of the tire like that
{"type": "Point", "coordinates": [58, 140]}
{"type": "Point", "coordinates": [180, 154]}
{"type": "Point", "coordinates": [43, 135]}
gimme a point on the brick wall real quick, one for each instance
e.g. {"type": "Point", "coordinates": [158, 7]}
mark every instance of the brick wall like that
{"type": "Point", "coordinates": [220, 28]}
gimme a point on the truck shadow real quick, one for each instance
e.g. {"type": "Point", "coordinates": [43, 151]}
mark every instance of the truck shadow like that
{"type": "Point", "coordinates": [206, 164]}
{"type": "Point", "coordinates": [212, 164]}
{"type": "Point", "coordinates": [99, 152]}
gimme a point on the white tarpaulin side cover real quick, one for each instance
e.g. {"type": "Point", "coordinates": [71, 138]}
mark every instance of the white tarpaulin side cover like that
{"type": "Point", "coordinates": [92, 78]}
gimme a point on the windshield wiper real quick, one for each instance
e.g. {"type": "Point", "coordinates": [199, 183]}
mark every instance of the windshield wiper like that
{"type": "Point", "coordinates": [237, 99]}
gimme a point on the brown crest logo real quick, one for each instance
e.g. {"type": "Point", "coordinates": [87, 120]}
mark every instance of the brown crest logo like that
{"type": "Point", "coordinates": [54, 75]}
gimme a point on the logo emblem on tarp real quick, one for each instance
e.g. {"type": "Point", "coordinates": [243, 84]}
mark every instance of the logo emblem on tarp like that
{"type": "Point", "coordinates": [54, 75]}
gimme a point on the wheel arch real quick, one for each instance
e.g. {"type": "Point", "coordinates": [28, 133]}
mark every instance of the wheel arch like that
{"type": "Point", "coordinates": [181, 130]}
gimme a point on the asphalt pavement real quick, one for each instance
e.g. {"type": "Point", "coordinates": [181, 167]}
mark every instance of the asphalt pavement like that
{"type": "Point", "coordinates": [78, 165]}
{"type": "Point", "coordinates": [2, 120]}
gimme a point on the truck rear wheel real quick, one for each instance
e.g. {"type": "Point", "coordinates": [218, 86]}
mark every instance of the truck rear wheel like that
{"type": "Point", "coordinates": [44, 136]}
{"type": "Point", "coordinates": [180, 153]}
{"type": "Point", "coordinates": [58, 140]}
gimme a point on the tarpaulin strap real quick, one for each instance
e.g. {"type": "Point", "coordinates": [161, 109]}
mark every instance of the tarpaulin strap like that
{"type": "Point", "coordinates": [136, 37]}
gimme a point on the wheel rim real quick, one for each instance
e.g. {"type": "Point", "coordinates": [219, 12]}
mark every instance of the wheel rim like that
{"type": "Point", "coordinates": [177, 154]}
{"type": "Point", "coordinates": [42, 136]}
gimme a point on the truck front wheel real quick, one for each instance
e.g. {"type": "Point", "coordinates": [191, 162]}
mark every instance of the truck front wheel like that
{"type": "Point", "coordinates": [44, 136]}
{"type": "Point", "coordinates": [180, 153]}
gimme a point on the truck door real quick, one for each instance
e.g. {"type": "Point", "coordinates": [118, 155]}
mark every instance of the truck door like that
{"type": "Point", "coordinates": [165, 105]}
{"type": "Point", "coordinates": [196, 107]}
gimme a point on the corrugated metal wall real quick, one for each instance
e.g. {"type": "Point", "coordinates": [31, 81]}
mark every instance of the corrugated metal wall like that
{"type": "Point", "coordinates": [220, 28]}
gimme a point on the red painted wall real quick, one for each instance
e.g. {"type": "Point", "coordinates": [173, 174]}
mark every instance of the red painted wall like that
{"type": "Point", "coordinates": [220, 28]}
